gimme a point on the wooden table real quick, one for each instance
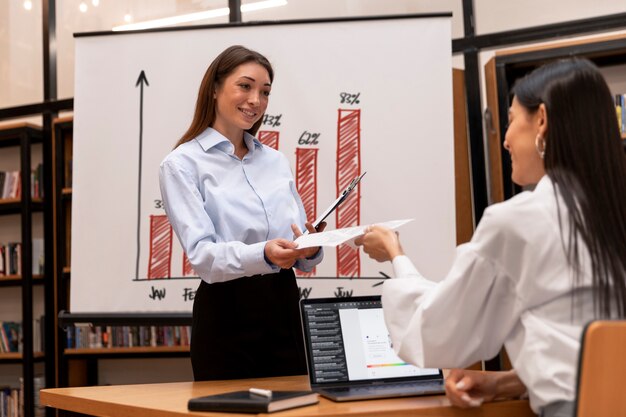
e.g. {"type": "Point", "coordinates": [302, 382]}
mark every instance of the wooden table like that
{"type": "Point", "coordinates": [170, 400]}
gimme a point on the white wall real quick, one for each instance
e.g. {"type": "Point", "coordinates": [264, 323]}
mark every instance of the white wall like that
{"type": "Point", "coordinates": [501, 15]}
{"type": "Point", "coordinates": [21, 54]}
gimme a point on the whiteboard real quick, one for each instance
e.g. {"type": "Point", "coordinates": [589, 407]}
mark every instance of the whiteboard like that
{"type": "Point", "coordinates": [387, 82]}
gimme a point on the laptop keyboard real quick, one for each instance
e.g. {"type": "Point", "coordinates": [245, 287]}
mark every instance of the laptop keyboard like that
{"type": "Point", "coordinates": [392, 388]}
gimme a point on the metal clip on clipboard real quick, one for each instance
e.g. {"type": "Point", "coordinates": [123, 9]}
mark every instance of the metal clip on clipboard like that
{"type": "Point", "coordinates": [342, 197]}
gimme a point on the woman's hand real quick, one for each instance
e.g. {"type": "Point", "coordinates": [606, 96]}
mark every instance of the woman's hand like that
{"type": "Point", "coordinates": [308, 252]}
{"type": "Point", "coordinates": [282, 252]}
{"type": "Point", "coordinates": [465, 388]}
{"type": "Point", "coordinates": [380, 243]}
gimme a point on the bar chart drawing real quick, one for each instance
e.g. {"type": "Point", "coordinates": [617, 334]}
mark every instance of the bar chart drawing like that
{"type": "Point", "coordinates": [331, 98]}
{"type": "Point", "coordinates": [269, 138]}
{"type": "Point", "coordinates": [160, 247]}
{"type": "Point", "coordinates": [306, 184]}
{"type": "Point", "coordinates": [348, 214]}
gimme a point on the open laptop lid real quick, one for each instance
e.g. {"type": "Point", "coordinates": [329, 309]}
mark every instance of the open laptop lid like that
{"type": "Point", "coordinates": [347, 342]}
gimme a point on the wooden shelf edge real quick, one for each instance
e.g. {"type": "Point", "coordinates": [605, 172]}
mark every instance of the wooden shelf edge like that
{"type": "Point", "coordinates": [18, 125]}
{"type": "Point", "coordinates": [63, 119]}
{"type": "Point", "coordinates": [18, 355]}
{"type": "Point", "coordinates": [18, 200]}
{"type": "Point", "coordinates": [556, 44]}
{"type": "Point", "coordinates": [66, 190]}
{"type": "Point", "coordinates": [17, 277]}
{"type": "Point", "coordinates": [126, 350]}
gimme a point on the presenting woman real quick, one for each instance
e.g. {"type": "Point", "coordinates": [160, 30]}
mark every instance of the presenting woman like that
{"type": "Point", "coordinates": [233, 205]}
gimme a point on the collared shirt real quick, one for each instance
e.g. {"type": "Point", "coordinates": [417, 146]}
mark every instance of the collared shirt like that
{"type": "Point", "coordinates": [512, 285]}
{"type": "Point", "coordinates": [224, 209]}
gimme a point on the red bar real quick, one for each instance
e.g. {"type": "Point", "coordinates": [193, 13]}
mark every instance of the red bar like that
{"type": "Point", "coordinates": [187, 268]}
{"type": "Point", "coordinates": [269, 138]}
{"type": "Point", "coordinates": [306, 184]}
{"type": "Point", "coordinates": [348, 214]}
{"type": "Point", "coordinates": [160, 247]}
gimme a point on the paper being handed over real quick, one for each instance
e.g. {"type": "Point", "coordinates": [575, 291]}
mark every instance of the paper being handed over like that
{"type": "Point", "coordinates": [339, 236]}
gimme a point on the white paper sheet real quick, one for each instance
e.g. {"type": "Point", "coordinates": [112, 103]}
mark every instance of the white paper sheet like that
{"type": "Point", "coordinates": [336, 237]}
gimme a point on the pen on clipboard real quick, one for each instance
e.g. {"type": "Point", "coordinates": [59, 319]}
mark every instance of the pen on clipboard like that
{"type": "Point", "coordinates": [344, 194]}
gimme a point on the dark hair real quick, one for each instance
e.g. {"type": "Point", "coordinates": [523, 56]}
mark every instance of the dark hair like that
{"type": "Point", "coordinates": [220, 68]}
{"type": "Point", "coordinates": [585, 160]}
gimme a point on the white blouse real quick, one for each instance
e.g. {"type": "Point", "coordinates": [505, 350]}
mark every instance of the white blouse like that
{"type": "Point", "coordinates": [512, 285]}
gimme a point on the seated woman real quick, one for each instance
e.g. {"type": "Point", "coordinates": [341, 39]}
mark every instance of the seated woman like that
{"type": "Point", "coordinates": [539, 266]}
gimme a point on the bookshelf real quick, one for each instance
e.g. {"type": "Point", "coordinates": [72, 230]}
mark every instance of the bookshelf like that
{"type": "Point", "coordinates": [61, 214]}
{"type": "Point", "coordinates": [17, 150]}
{"type": "Point", "coordinates": [506, 66]}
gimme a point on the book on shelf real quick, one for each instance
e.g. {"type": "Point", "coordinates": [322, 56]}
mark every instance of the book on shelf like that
{"type": "Point", "coordinates": [3, 183]}
{"type": "Point", "coordinates": [12, 397]}
{"type": "Point", "coordinates": [87, 336]}
{"type": "Point", "coordinates": [9, 401]}
{"type": "Point", "coordinates": [247, 402]}
{"type": "Point", "coordinates": [38, 256]}
{"type": "Point", "coordinates": [620, 104]}
{"type": "Point", "coordinates": [11, 258]}
{"type": "Point", "coordinates": [11, 336]}
{"type": "Point", "coordinates": [11, 183]}
{"type": "Point", "coordinates": [39, 383]}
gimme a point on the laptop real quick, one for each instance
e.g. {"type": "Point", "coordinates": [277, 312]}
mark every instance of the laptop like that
{"type": "Point", "coordinates": [350, 354]}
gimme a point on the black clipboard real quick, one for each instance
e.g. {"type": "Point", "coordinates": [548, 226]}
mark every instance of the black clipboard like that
{"type": "Point", "coordinates": [342, 197]}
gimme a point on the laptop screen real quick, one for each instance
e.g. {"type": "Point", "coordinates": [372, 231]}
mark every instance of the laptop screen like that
{"type": "Point", "coordinates": [347, 340]}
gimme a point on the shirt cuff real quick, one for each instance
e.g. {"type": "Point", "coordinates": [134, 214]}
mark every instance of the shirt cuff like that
{"type": "Point", "coordinates": [258, 263]}
{"type": "Point", "coordinates": [307, 264]}
{"type": "Point", "coordinates": [404, 268]}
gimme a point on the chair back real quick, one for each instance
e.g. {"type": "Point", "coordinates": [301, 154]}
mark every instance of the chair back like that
{"type": "Point", "coordinates": [601, 387]}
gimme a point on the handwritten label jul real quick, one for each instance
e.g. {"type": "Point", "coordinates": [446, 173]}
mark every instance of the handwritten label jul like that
{"type": "Point", "coordinates": [341, 293]}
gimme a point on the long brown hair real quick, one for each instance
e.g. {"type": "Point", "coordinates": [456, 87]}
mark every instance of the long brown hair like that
{"type": "Point", "coordinates": [585, 161]}
{"type": "Point", "coordinates": [220, 68]}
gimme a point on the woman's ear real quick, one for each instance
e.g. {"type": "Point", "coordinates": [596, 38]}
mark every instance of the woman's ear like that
{"type": "Point", "coordinates": [542, 120]}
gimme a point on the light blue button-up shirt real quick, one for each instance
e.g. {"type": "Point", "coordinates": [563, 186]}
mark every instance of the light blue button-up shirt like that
{"type": "Point", "coordinates": [224, 209]}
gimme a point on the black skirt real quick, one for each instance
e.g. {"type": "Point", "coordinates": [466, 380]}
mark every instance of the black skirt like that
{"type": "Point", "coordinates": [247, 328]}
